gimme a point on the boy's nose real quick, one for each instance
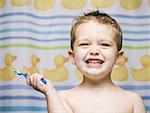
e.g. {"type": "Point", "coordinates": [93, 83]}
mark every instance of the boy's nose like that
{"type": "Point", "coordinates": [94, 51]}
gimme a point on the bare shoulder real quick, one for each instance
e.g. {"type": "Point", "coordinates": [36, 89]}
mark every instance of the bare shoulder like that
{"type": "Point", "coordinates": [64, 93]}
{"type": "Point", "coordinates": [134, 97]}
{"type": "Point", "coordinates": [67, 95]}
{"type": "Point", "coordinates": [137, 102]}
{"type": "Point", "coordinates": [68, 92]}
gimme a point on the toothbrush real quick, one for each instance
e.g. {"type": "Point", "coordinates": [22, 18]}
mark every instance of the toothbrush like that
{"type": "Point", "coordinates": [25, 74]}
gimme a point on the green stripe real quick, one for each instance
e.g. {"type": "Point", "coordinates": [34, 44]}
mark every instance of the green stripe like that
{"type": "Point", "coordinates": [60, 47]}
{"type": "Point", "coordinates": [136, 47]}
{"type": "Point", "coordinates": [33, 46]}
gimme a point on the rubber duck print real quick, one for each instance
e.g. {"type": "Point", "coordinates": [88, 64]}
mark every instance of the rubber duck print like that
{"type": "Point", "coordinates": [20, 2]}
{"type": "Point", "coordinates": [33, 69]}
{"type": "Point", "coordinates": [148, 3]}
{"type": "Point", "coordinates": [2, 3]}
{"type": "Point", "coordinates": [130, 4]}
{"type": "Point", "coordinates": [73, 4]}
{"type": "Point", "coordinates": [59, 73]}
{"type": "Point", "coordinates": [44, 4]}
{"type": "Point", "coordinates": [7, 72]}
{"type": "Point", "coordinates": [102, 3]}
{"type": "Point", "coordinates": [120, 73]}
{"type": "Point", "coordinates": [142, 74]}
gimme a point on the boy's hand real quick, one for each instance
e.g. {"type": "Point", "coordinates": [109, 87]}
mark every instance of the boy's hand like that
{"type": "Point", "coordinates": [35, 81]}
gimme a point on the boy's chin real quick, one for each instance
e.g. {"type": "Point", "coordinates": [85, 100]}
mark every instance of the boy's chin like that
{"type": "Point", "coordinates": [92, 71]}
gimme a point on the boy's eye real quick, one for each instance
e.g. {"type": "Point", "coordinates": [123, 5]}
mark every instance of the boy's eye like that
{"type": "Point", "coordinates": [105, 44]}
{"type": "Point", "coordinates": [83, 44]}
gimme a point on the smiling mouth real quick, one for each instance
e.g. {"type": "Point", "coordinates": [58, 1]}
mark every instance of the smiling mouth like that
{"type": "Point", "coordinates": [93, 62]}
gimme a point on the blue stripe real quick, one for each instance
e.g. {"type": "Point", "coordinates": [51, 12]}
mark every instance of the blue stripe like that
{"type": "Point", "coordinates": [66, 24]}
{"type": "Point", "coordinates": [34, 31]}
{"type": "Point", "coordinates": [34, 39]}
{"type": "Point", "coordinates": [62, 32]}
{"type": "Point", "coordinates": [22, 97]}
{"type": "Point", "coordinates": [36, 24]}
{"type": "Point", "coordinates": [33, 108]}
{"type": "Point", "coordinates": [6, 87]}
{"type": "Point", "coordinates": [136, 40]}
{"type": "Point", "coordinates": [136, 32]}
{"type": "Point", "coordinates": [22, 108]}
{"type": "Point", "coordinates": [35, 16]}
{"type": "Point", "coordinates": [69, 16]}
{"type": "Point", "coordinates": [131, 16]}
{"type": "Point", "coordinates": [147, 108]}
{"type": "Point", "coordinates": [61, 39]}
{"type": "Point", "coordinates": [145, 97]}
{"type": "Point", "coordinates": [135, 24]}
{"type": "Point", "coordinates": [18, 97]}
{"type": "Point", "coordinates": [27, 87]}
{"type": "Point", "coordinates": [135, 87]}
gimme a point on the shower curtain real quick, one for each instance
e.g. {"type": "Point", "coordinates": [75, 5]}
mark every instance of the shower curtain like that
{"type": "Point", "coordinates": [35, 37]}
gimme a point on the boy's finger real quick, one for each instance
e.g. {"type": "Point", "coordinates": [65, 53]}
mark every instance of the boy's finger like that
{"type": "Point", "coordinates": [29, 80]}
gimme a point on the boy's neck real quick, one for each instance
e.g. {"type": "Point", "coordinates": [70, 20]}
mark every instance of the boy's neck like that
{"type": "Point", "coordinates": [102, 83]}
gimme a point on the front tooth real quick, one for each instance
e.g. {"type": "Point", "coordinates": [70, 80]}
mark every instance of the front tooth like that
{"type": "Point", "coordinates": [93, 61]}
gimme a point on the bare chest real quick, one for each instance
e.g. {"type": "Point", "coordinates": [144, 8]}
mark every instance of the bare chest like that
{"type": "Point", "coordinates": [100, 105]}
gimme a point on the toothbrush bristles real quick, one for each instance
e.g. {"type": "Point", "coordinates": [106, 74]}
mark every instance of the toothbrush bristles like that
{"type": "Point", "coordinates": [17, 72]}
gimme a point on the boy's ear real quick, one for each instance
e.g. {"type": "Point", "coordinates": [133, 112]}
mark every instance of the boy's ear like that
{"type": "Point", "coordinates": [71, 56]}
{"type": "Point", "coordinates": [120, 54]}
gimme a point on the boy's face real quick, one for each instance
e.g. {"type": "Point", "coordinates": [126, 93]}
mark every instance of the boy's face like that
{"type": "Point", "coordinates": [95, 50]}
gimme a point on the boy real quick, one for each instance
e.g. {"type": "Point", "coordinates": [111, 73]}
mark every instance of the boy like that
{"type": "Point", "coordinates": [96, 41]}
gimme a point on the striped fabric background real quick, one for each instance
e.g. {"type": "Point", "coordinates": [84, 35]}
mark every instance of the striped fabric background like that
{"type": "Point", "coordinates": [27, 28]}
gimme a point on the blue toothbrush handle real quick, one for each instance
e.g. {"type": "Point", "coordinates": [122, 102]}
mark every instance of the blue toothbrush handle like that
{"type": "Point", "coordinates": [24, 74]}
{"type": "Point", "coordinates": [43, 80]}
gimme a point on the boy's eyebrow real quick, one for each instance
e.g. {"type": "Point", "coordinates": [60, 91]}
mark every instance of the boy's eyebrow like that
{"type": "Point", "coordinates": [77, 41]}
{"type": "Point", "coordinates": [105, 40]}
{"type": "Point", "coordinates": [102, 40]}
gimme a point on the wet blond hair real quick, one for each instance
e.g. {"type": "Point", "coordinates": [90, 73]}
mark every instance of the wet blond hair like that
{"type": "Point", "coordinates": [101, 18]}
